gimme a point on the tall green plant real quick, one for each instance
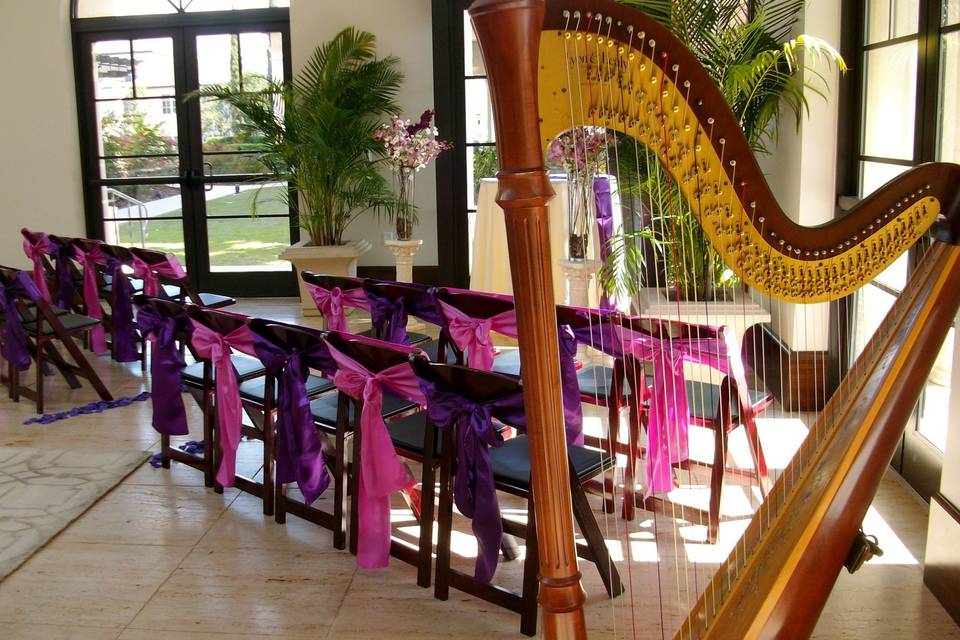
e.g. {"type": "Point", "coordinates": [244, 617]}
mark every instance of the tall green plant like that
{"type": "Point", "coordinates": [317, 131]}
{"type": "Point", "coordinates": [759, 70]}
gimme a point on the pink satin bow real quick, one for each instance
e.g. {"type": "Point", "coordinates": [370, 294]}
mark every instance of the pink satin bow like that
{"type": "Point", "coordinates": [217, 348]}
{"type": "Point", "coordinates": [91, 294]}
{"type": "Point", "coordinates": [381, 473]}
{"type": "Point", "coordinates": [472, 335]}
{"type": "Point", "coordinates": [35, 251]}
{"type": "Point", "coordinates": [151, 273]}
{"type": "Point", "coordinates": [668, 426]}
{"type": "Point", "coordinates": [331, 302]}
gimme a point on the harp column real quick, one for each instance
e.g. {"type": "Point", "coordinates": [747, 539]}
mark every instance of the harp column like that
{"type": "Point", "coordinates": [509, 36]}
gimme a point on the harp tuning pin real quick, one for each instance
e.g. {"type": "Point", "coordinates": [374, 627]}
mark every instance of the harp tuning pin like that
{"type": "Point", "coordinates": [761, 219]}
{"type": "Point", "coordinates": [675, 68]}
{"type": "Point", "coordinates": [753, 205]}
{"type": "Point", "coordinates": [709, 120]}
{"type": "Point", "coordinates": [782, 242]}
{"type": "Point", "coordinates": [566, 13]}
{"type": "Point", "coordinates": [686, 84]}
{"type": "Point", "coordinates": [722, 140]}
{"type": "Point", "coordinates": [797, 252]}
{"type": "Point", "coordinates": [926, 187]}
{"type": "Point", "coordinates": [609, 20]}
{"type": "Point", "coordinates": [652, 42]}
{"type": "Point", "coordinates": [629, 28]}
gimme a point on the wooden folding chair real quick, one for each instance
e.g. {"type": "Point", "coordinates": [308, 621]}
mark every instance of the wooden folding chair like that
{"type": "Point", "coordinates": [511, 473]}
{"type": "Point", "coordinates": [43, 327]}
{"type": "Point", "coordinates": [180, 288]}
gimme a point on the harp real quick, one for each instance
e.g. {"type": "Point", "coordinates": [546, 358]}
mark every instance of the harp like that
{"type": "Point", "coordinates": [642, 82]}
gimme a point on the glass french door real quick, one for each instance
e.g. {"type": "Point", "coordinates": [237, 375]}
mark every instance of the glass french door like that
{"type": "Point", "coordinates": [184, 177]}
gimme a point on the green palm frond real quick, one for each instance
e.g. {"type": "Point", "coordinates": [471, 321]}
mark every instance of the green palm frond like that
{"type": "Point", "coordinates": [316, 132]}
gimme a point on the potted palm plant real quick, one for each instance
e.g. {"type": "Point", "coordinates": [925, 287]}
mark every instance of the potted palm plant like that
{"type": "Point", "coordinates": [317, 134]}
{"type": "Point", "coordinates": [756, 64]}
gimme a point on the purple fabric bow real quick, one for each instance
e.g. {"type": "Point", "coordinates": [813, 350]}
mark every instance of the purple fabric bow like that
{"type": "Point", "coordinates": [389, 317]}
{"type": "Point", "coordinates": [121, 309]}
{"type": "Point", "coordinates": [66, 288]}
{"type": "Point", "coordinates": [35, 250]}
{"type": "Point", "coordinates": [474, 488]}
{"type": "Point", "coordinates": [298, 449]}
{"type": "Point", "coordinates": [166, 366]}
{"type": "Point", "coordinates": [15, 347]}
{"type": "Point", "coordinates": [572, 406]}
{"type": "Point", "coordinates": [604, 208]}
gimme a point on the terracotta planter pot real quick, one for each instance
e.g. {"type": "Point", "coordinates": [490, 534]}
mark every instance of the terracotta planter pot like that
{"type": "Point", "coordinates": [339, 260]}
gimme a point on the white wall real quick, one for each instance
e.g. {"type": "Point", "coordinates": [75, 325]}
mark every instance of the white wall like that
{"type": "Point", "coordinates": [404, 29]}
{"type": "Point", "coordinates": [40, 158]}
{"type": "Point", "coordinates": [802, 171]}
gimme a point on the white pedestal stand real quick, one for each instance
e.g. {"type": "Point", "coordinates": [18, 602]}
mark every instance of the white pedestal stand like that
{"type": "Point", "coordinates": [403, 251]}
{"type": "Point", "coordinates": [578, 274]}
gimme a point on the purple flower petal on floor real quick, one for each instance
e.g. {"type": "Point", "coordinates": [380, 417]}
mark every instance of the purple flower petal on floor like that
{"type": "Point", "coordinates": [93, 407]}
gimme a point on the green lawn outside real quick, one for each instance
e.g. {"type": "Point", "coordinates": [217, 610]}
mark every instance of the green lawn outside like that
{"type": "Point", "coordinates": [234, 242]}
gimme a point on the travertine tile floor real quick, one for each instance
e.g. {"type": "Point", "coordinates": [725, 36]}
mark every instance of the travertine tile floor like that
{"type": "Point", "coordinates": [163, 557]}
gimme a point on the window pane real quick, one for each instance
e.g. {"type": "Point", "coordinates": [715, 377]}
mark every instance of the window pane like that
{"type": "Point", "coordinates": [473, 61]}
{"type": "Point", "coordinates": [153, 66]}
{"type": "Point", "coordinates": [479, 112]}
{"type": "Point", "coordinates": [950, 94]}
{"type": "Point", "coordinates": [890, 106]}
{"type": "Point", "coordinates": [226, 163]}
{"type": "Point", "coordinates": [481, 163]}
{"type": "Point", "coordinates": [135, 128]}
{"type": "Point", "coordinates": [933, 419]}
{"type": "Point", "coordinates": [247, 243]}
{"type": "Point", "coordinates": [876, 174]}
{"type": "Point", "coordinates": [261, 55]}
{"type": "Point", "coordinates": [895, 276]}
{"type": "Point", "coordinates": [872, 307]}
{"type": "Point", "coordinates": [238, 199]}
{"type": "Point", "coordinates": [887, 19]}
{"type": "Point", "coordinates": [218, 59]}
{"type": "Point", "coordinates": [100, 8]}
{"type": "Point", "coordinates": [951, 12]}
{"type": "Point", "coordinates": [167, 166]}
{"type": "Point", "coordinates": [112, 69]}
{"type": "Point", "coordinates": [141, 201]}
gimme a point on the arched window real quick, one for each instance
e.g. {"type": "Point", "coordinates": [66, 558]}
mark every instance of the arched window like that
{"type": "Point", "coordinates": [184, 176]}
{"type": "Point", "coordinates": [107, 8]}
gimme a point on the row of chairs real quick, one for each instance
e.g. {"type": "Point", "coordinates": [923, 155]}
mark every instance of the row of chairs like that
{"type": "Point", "coordinates": [465, 320]}
{"type": "Point", "coordinates": [271, 352]}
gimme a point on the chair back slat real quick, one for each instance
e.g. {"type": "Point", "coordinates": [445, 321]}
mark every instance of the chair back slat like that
{"type": "Point", "coordinates": [473, 384]}
{"type": "Point", "coordinates": [329, 282]}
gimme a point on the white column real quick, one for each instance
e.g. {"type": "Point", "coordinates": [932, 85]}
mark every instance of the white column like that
{"type": "Point", "coordinates": [578, 274]}
{"type": "Point", "coordinates": [403, 252]}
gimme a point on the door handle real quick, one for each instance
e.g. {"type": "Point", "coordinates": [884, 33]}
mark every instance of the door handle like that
{"type": "Point", "coordinates": [208, 165]}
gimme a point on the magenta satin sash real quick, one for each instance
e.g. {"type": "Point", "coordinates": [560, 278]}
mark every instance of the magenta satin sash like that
{"type": "Point", "coordinates": [151, 273]}
{"type": "Point", "coordinates": [331, 302]}
{"type": "Point", "coordinates": [217, 348]}
{"type": "Point", "coordinates": [668, 425]}
{"type": "Point", "coordinates": [35, 251]}
{"type": "Point", "coordinates": [381, 472]}
{"type": "Point", "coordinates": [91, 294]}
{"type": "Point", "coordinates": [472, 335]}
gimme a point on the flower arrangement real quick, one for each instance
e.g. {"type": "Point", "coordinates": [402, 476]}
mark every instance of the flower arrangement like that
{"type": "Point", "coordinates": [579, 151]}
{"type": "Point", "coordinates": [409, 148]}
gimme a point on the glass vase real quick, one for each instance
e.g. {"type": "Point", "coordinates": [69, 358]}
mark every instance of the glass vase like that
{"type": "Point", "coordinates": [405, 181]}
{"type": "Point", "coordinates": [580, 215]}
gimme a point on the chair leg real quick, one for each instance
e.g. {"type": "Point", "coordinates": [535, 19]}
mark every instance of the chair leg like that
{"type": "Point", "coordinates": [269, 451]}
{"type": "Point", "coordinates": [425, 551]}
{"type": "Point", "coordinates": [759, 460]}
{"type": "Point", "coordinates": [355, 480]}
{"type": "Point", "coordinates": [39, 376]}
{"type": "Point", "coordinates": [595, 541]}
{"type": "Point", "coordinates": [208, 444]}
{"type": "Point", "coordinates": [340, 475]}
{"type": "Point", "coordinates": [531, 585]}
{"type": "Point", "coordinates": [164, 451]}
{"type": "Point", "coordinates": [613, 436]}
{"type": "Point", "coordinates": [86, 369]}
{"type": "Point", "coordinates": [441, 589]}
{"type": "Point", "coordinates": [716, 479]}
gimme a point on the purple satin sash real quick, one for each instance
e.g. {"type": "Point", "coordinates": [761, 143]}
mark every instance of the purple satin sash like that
{"type": "Point", "coordinates": [331, 303]}
{"type": "Point", "coordinates": [572, 406]}
{"type": "Point", "coordinates": [389, 318]}
{"type": "Point", "coordinates": [217, 348]}
{"type": "Point", "coordinates": [474, 488]}
{"type": "Point", "coordinates": [151, 273]}
{"type": "Point", "coordinates": [472, 335]}
{"type": "Point", "coordinates": [35, 251]}
{"type": "Point", "coordinates": [668, 424]}
{"type": "Point", "coordinates": [15, 346]}
{"type": "Point", "coordinates": [298, 449]}
{"type": "Point", "coordinates": [604, 209]}
{"type": "Point", "coordinates": [121, 310]}
{"type": "Point", "coordinates": [91, 294]}
{"type": "Point", "coordinates": [166, 366]}
{"type": "Point", "coordinates": [381, 472]}
{"type": "Point", "coordinates": [66, 289]}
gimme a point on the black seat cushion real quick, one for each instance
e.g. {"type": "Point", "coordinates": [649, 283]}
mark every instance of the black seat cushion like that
{"type": "Point", "coordinates": [407, 433]}
{"type": "Point", "coordinates": [596, 382]}
{"type": "Point", "coordinates": [508, 362]}
{"type": "Point", "coordinates": [324, 409]}
{"type": "Point", "coordinates": [254, 389]}
{"type": "Point", "coordinates": [215, 300]}
{"type": "Point", "coordinates": [432, 348]}
{"type": "Point", "coordinates": [511, 463]}
{"type": "Point", "coordinates": [71, 322]}
{"type": "Point", "coordinates": [412, 338]}
{"type": "Point", "coordinates": [703, 400]}
{"type": "Point", "coordinates": [246, 367]}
